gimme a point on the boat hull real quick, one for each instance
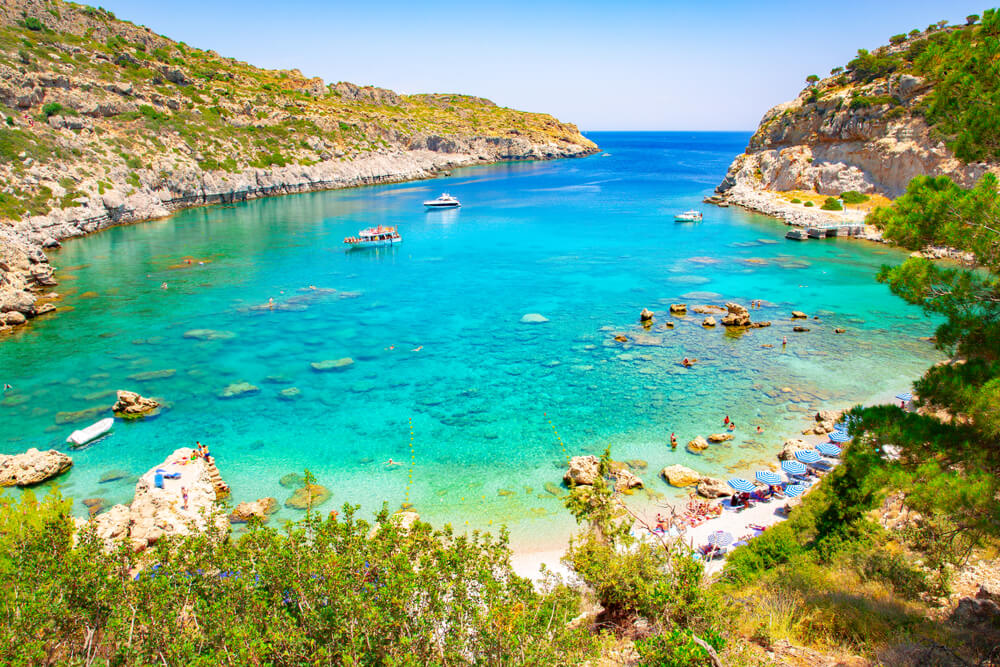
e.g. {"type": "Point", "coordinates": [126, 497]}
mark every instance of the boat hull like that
{"type": "Point", "coordinates": [442, 205]}
{"type": "Point", "coordinates": [374, 244]}
{"type": "Point", "coordinates": [92, 432]}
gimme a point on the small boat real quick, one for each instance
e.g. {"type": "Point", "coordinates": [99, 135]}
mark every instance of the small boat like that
{"type": "Point", "coordinates": [444, 201]}
{"type": "Point", "coordinates": [374, 237]}
{"type": "Point", "coordinates": [688, 216]}
{"type": "Point", "coordinates": [92, 432]}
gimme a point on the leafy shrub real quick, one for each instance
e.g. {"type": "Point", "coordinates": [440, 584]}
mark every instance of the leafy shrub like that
{"type": "Point", "coordinates": [796, 200]}
{"type": "Point", "coordinates": [832, 204]}
{"type": "Point", "coordinates": [32, 23]}
{"type": "Point", "coordinates": [870, 66]}
{"type": "Point", "coordinates": [897, 39]}
{"type": "Point", "coordinates": [151, 113]}
{"type": "Point", "coordinates": [854, 197]}
{"type": "Point", "coordinates": [51, 109]}
{"type": "Point", "coordinates": [893, 569]}
{"type": "Point", "coordinates": [677, 649]}
{"type": "Point", "coordinates": [809, 203]}
{"type": "Point", "coordinates": [24, 55]}
{"type": "Point", "coordinates": [269, 160]}
{"type": "Point", "coordinates": [116, 43]}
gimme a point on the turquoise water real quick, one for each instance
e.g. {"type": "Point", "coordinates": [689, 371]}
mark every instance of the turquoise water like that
{"type": "Point", "coordinates": [586, 243]}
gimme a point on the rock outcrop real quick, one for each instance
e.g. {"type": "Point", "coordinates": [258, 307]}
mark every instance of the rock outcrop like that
{"type": "Point", "coordinates": [32, 467]}
{"type": "Point", "coordinates": [131, 404]}
{"type": "Point", "coordinates": [736, 316]}
{"type": "Point", "coordinates": [259, 509]}
{"type": "Point", "coordinates": [791, 446]}
{"type": "Point", "coordinates": [584, 470]}
{"type": "Point", "coordinates": [678, 475]}
{"type": "Point", "coordinates": [697, 445]}
{"type": "Point", "coordinates": [710, 487]}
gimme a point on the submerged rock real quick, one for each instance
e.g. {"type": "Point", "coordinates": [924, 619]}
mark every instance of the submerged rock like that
{"type": "Point", "coordinates": [131, 404]}
{"type": "Point", "coordinates": [289, 394]}
{"type": "Point", "coordinates": [534, 318]}
{"type": "Point", "coordinates": [312, 495]}
{"type": "Point", "coordinates": [698, 445]}
{"type": "Point", "coordinates": [112, 476]}
{"type": "Point", "coordinates": [32, 467]}
{"type": "Point", "coordinates": [720, 437]}
{"type": "Point", "coordinates": [209, 334]}
{"type": "Point", "coordinates": [554, 489]}
{"type": "Point", "coordinates": [153, 375]}
{"type": "Point", "coordinates": [292, 480]}
{"type": "Point", "coordinates": [332, 364]}
{"type": "Point", "coordinates": [258, 508]}
{"type": "Point", "coordinates": [798, 315]}
{"type": "Point", "coordinates": [238, 389]}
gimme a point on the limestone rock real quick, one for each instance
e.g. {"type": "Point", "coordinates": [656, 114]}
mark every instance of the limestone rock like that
{"type": "Point", "coordinates": [709, 310]}
{"type": "Point", "coordinates": [132, 404]}
{"type": "Point", "coordinates": [621, 338]}
{"type": "Point", "coordinates": [791, 446]}
{"type": "Point", "coordinates": [737, 316]}
{"type": "Point", "coordinates": [292, 480]}
{"type": "Point", "coordinates": [238, 389]}
{"type": "Point", "coordinates": [710, 487]}
{"type": "Point", "coordinates": [626, 480]}
{"type": "Point", "coordinates": [304, 496]}
{"type": "Point", "coordinates": [258, 508]}
{"type": "Point", "coordinates": [720, 437]}
{"type": "Point", "coordinates": [678, 475]}
{"type": "Point", "coordinates": [112, 526]}
{"type": "Point", "coordinates": [534, 318]}
{"type": "Point", "coordinates": [678, 308]}
{"type": "Point", "coordinates": [332, 364]}
{"type": "Point", "coordinates": [698, 445]}
{"type": "Point", "coordinates": [708, 322]}
{"type": "Point", "coordinates": [582, 470]}
{"type": "Point", "coordinates": [646, 315]}
{"type": "Point", "coordinates": [32, 467]}
{"type": "Point", "coordinates": [156, 512]}
{"type": "Point", "coordinates": [800, 329]}
{"type": "Point", "coordinates": [798, 315]}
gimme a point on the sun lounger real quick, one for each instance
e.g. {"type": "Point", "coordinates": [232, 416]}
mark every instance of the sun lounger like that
{"type": "Point", "coordinates": [172, 475]}
{"type": "Point", "coordinates": [158, 480]}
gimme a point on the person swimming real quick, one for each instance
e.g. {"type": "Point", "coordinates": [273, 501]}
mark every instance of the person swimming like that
{"type": "Point", "coordinates": [390, 462]}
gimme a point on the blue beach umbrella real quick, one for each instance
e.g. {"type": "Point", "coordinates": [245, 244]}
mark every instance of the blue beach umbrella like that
{"type": "Point", "coordinates": [741, 484]}
{"type": "Point", "coordinates": [839, 436]}
{"type": "Point", "coordinates": [840, 428]}
{"type": "Point", "coordinates": [793, 467]}
{"type": "Point", "coordinates": [793, 490]}
{"type": "Point", "coordinates": [807, 455]}
{"type": "Point", "coordinates": [768, 477]}
{"type": "Point", "coordinates": [826, 449]}
{"type": "Point", "coordinates": [905, 396]}
{"type": "Point", "coordinates": [720, 539]}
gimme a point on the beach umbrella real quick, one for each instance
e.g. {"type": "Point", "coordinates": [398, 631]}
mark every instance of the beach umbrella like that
{"type": "Point", "coordinates": [720, 539]}
{"type": "Point", "coordinates": [793, 490]}
{"type": "Point", "coordinates": [826, 449]}
{"type": "Point", "coordinates": [793, 467]}
{"type": "Point", "coordinates": [807, 455]}
{"type": "Point", "coordinates": [840, 428]}
{"type": "Point", "coordinates": [839, 436]}
{"type": "Point", "coordinates": [741, 484]}
{"type": "Point", "coordinates": [768, 477]}
{"type": "Point", "coordinates": [905, 396]}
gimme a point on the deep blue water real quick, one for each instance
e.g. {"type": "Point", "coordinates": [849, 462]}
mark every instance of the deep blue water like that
{"type": "Point", "coordinates": [587, 243]}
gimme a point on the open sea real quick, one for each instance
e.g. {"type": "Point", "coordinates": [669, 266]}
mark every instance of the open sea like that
{"type": "Point", "coordinates": [434, 329]}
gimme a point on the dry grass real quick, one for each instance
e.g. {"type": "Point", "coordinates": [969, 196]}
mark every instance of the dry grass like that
{"type": "Point", "coordinates": [874, 200]}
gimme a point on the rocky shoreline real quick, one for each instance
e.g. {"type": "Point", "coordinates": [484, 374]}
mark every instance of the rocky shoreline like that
{"type": "Point", "coordinates": [25, 271]}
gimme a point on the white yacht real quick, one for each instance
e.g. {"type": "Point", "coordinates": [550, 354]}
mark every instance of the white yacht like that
{"type": "Point", "coordinates": [688, 216]}
{"type": "Point", "coordinates": [444, 201]}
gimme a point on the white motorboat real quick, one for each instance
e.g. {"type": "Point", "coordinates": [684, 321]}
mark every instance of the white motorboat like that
{"type": "Point", "coordinates": [444, 201]}
{"type": "Point", "coordinates": [688, 216]}
{"type": "Point", "coordinates": [374, 237]}
{"type": "Point", "coordinates": [92, 432]}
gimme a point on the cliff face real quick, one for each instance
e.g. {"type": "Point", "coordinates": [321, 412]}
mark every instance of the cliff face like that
{"type": "Point", "coordinates": [103, 122]}
{"type": "Point", "coordinates": [854, 130]}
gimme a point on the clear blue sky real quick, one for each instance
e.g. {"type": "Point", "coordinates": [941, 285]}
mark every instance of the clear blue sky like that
{"type": "Point", "coordinates": [667, 65]}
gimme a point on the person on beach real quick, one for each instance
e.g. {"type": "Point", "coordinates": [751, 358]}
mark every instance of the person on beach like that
{"type": "Point", "coordinates": [184, 495]}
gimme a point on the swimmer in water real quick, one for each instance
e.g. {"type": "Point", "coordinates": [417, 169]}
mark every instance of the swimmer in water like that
{"type": "Point", "coordinates": [390, 462]}
{"type": "Point", "coordinates": [163, 286]}
{"type": "Point", "coordinates": [417, 348]}
{"type": "Point", "coordinates": [270, 303]}
{"type": "Point", "coordinates": [673, 441]}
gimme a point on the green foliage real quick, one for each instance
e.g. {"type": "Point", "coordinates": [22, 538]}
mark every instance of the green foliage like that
{"type": "Point", "coordinates": [32, 23]}
{"type": "Point", "coordinates": [677, 648]}
{"type": "Point", "coordinates": [832, 204]}
{"type": "Point", "coordinates": [116, 43]}
{"type": "Point", "coordinates": [51, 109]}
{"type": "Point", "coordinates": [865, 101]}
{"type": "Point", "coordinates": [867, 66]}
{"type": "Point", "coordinates": [333, 591]}
{"type": "Point", "coordinates": [897, 39]}
{"type": "Point", "coordinates": [812, 78]}
{"type": "Point", "coordinates": [133, 180]}
{"type": "Point", "coordinates": [151, 113]}
{"type": "Point", "coordinates": [854, 197]}
{"type": "Point", "coordinates": [809, 204]}
{"type": "Point", "coordinates": [265, 160]}
{"type": "Point", "coordinates": [796, 200]}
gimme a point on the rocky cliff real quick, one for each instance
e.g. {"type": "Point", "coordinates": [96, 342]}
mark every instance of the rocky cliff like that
{"type": "Point", "coordinates": [103, 122]}
{"type": "Point", "coordinates": [869, 128]}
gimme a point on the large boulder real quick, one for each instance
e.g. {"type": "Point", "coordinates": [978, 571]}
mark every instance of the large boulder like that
{"type": "Point", "coordinates": [720, 437]}
{"type": "Point", "coordinates": [646, 315]}
{"type": "Point", "coordinates": [698, 445]}
{"type": "Point", "coordinates": [828, 415]}
{"type": "Point", "coordinates": [582, 470]}
{"type": "Point", "coordinates": [791, 446]}
{"type": "Point", "coordinates": [131, 404]}
{"type": "Point", "coordinates": [310, 496]}
{"type": "Point", "coordinates": [156, 512]}
{"type": "Point", "coordinates": [710, 487]}
{"type": "Point", "coordinates": [32, 467]}
{"type": "Point", "coordinates": [678, 308]}
{"type": "Point", "coordinates": [737, 316]}
{"type": "Point", "coordinates": [113, 525]}
{"type": "Point", "coordinates": [625, 480]}
{"type": "Point", "coordinates": [708, 322]}
{"type": "Point", "coordinates": [678, 475]}
{"type": "Point", "coordinates": [258, 508]}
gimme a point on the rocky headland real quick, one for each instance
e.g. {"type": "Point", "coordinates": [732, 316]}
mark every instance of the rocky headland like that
{"type": "Point", "coordinates": [864, 129]}
{"type": "Point", "coordinates": [103, 123]}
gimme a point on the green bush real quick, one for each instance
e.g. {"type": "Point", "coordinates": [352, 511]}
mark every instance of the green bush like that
{"type": "Point", "coordinates": [854, 197]}
{"type": "Point", "coordinates": [796, 200]}
{"type": "Point", "coordinates": [32, 23]}
{"type": "Point", "coordinates": [809, 203]}
{"type": "Point", "coordinates": [51, 109]}
{"type": "Point", "coordinates": [676, 648]}
{"type": "Point", "coordinates": [897, 39]}
{"type": "Point", "coordinates": [152, 114]}
{"type": "Point", "coordinates": [832, 204]}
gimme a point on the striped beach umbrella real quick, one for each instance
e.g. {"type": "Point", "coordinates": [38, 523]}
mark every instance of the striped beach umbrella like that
{"type": "Point", "coordinates": [826, 449]}
{"type": "Point", "coordinates": [793, 490]}
{"type": "Point", "coordinates": [720, 539]}
{"type": "Point", "coordinates": [807, 455]}
{"type": "Point", "coordinates": [741, 484]}
{"type": "Point", "coordinates": [768, 477]}
{"type": "Point", "coordinates": [905, 396]}
{"type": "Point", "coordinates": [839, 436]}
{"type": "Point", "coordinates": [793, 467]}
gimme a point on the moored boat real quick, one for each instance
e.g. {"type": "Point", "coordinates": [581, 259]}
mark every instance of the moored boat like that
{"type": "Point", "coordinates": [92, 432]}
{"type": "Point", "coordinates": [688, 216]}
{"type": "Point", "coordinates": [444, 201]}
{"type": "Point", "coordinates": [373, 237]}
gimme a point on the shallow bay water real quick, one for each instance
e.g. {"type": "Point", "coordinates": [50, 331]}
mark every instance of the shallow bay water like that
{"type": "Point", "coordinates": [434, 329]}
